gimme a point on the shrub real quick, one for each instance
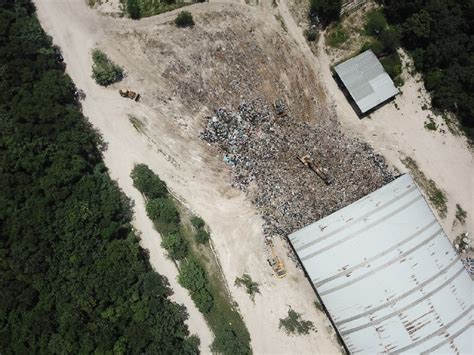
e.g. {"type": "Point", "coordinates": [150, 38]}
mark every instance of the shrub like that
{"type": "Point", "coordinates": [390, 39]}
{"type": "Point", "coordinates": [392, 65]}
{"type": "Point", "coordinates": [376, 23]}
{"type": "Point", "coordinates": [184, 19]}
{"type": "Point", "coordinates": [175, 245]}
{"type": "Point", "coordinates": [311, 35]}
{"type": "Point", "coordinates": [163, 211]}
{"type": "Point", "coordinates": [197, 222]}
{"type": "Point", "coordinates": [251, 287]}
{"type": "Point", "coordinates": [203, 300]}
{"type": "Point", "coordinates": [133, 9]}
{"type": "Point", "coordinates": [337, 36]}
{"type": "Point", "coordinates": [202, 236]}
{"type": "Point", "coordinates": [326, 10]}
{"type": "Point", "coordinates": [227, 342]}
{"type": "Point", "coordinates": [293, 324]}
{"type": "Point", "coordinates": [104, 71]}
{"type": "Point", "coordinates": [149, 184]}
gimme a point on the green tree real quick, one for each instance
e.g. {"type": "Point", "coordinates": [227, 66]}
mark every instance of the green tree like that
{"type": "Point", "coordinates": [202, 236]}
{"type": "Point", "coordinates": [197, 222]}
{"type": "Point", "coordinates": [175, 245]}
{"type": "Point", "coordinates": [293, 324]}
{"type": "Point", "coordinates": [326, 10]}
{"type": "Point", "coordinates": [133, 9]}
{"type": "Point", "coordinates": [149, 184]}
{"type": "Point", "coordinates": [227, 342]}
{"type": "Point", "coordinates": [376, 23]}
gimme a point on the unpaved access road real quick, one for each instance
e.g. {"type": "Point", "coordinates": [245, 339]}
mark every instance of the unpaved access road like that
{"type": "Point", "coordinates": [168, 143]}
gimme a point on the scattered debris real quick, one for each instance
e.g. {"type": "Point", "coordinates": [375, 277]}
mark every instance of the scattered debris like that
{"type": "Point", "coordinates": [260, 147]}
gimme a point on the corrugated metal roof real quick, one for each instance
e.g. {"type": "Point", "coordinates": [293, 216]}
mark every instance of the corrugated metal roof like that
{"type": "Point", "coordinates": [388, 275]}
{"type": "Point", "coordinates": [367, 82]}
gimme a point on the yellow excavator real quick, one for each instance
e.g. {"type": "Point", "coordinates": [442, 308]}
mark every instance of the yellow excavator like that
{"type": "Point", "coordinates": [129, 94]}
{"type": "Point", "coordinates": [276, 263]}
{"type": "Point", "coordinates": [309, 163]}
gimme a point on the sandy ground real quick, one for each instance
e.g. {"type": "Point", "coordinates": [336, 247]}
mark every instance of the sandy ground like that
{"type": "Point", "coordinates": [194, 173]}
{"type": "Point", "coordinates": [396, 130]}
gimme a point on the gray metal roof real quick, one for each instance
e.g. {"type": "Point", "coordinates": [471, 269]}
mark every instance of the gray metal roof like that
{"type": "Point", "coordinates": [388, 275]}
{"type": "Point", "coordinates": [366, 80]}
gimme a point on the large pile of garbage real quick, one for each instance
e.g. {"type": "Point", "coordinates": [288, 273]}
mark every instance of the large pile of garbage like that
{"type": "Point", "coordinates": [262, 144]}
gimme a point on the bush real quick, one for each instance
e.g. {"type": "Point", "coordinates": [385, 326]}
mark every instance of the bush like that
{"type": "Point", "coordinates": [337, 36]}
{"type": "Point", "coordinates": [175, 245]}
{"type": "Point", "coordinates": [390, 39]}
{"type": "Point", "coordinates": [104, 71]}
{"type": "Point", "coordinates": [227, 342]}
{"type": "Point", "coordinates": [251, 287]}
{"type": "Point", "coordinates": [326, 10]}
{"type": "Point", "coordinates": [184, 19]}
{"type": "Point", "coordinates": [376, 23]}
{"type": "Point", "coordinates": [293, 324]}
{"type": "Point", "coordinates": [133, 9]}
{"type": "Point", "coordinates": [197, 222]}
{"type": "Point", "coordinates": [392, 65]}
{"type": "Point", "coordinates": [193, 277]}
{"type": "Point", "coordinates": [203, 300]}
{"type": "Point", "coordinates": [149, 184]}
{"type": "Point", "coordinates": [311, 35]}
{"type": "Point", "coordinates": [202, 236]}
{"type": "Point", "coordinates": [162, 211]}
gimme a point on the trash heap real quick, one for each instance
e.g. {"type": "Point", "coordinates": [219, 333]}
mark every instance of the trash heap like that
{"type": "Point", "coordinates": [261, 145]}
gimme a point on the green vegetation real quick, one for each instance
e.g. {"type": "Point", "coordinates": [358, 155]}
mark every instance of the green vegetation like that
{"type": "Point", "coordinates": [438, 35]}
{"type": "Point", "coordinates": [337, 36]}
{"type": "Point", "coordinates": [460, 214]}
{"type": "Point", "coordinates": [293, 324]}
{"type": "Point", "coordinates": [136, 123]}
{"type": "Point", "coordinates": [319, 306]}
{"type": "Point", "coordinates": [326, 11]}
{"type": "Point", "coordinates": [280, 19]}
{"type": "Point", "coordinates": [251, 287]}
{"type": "Point", "coordinates": [311, 35]}
{"type": "Point", "coordinates": [384, 43]}
{"type": "Point", "coordinates": [144, 8]}
{"type": "Point", "coordinates": [73, 276]}
{"type": "Point", "coordinates": [435, 195]}
{"type": "Point", "coordinates": [184, 19]}
{"type": "Point", "coordinates": [431, 124]}
{"type": "Point", "coordinates": [104, 71]}
{"type": "Point", "coordinates": [186, 240]}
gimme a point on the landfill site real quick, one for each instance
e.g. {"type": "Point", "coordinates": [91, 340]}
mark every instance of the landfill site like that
{"type": "Point", "coordinates": [250, 131]}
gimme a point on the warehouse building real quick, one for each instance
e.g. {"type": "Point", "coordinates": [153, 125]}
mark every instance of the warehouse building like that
{"type": "Point", "coordinates": [388, 275]}
{"type": "Point", "coordinates": [366, 81]}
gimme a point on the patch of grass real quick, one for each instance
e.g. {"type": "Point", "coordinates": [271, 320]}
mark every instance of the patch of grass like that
{"type": "Point", "coordinates": [279, 18]}
{"type": "Point", "coordinates": [430, 124]}
{"type": "Point", "coordinates": [435, 195]}
{"type": "Point", "coordinates": [251, 287]}
{"type": "Point", "coordinates": [460, 214]}
{"type": "Point", "coordinates": [337, 36]}
{"type": "Point", "coordinates": [294, 325]}
{"type": "Point", "coordinates": [145, 8]}
{"type": "Point", "coordinates": [136, 123]}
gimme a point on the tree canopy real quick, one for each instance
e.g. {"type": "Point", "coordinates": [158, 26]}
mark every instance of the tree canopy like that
{"type": "Point", "coordinates": [73, 276]}
{"type": "Point", "coordinates": [439, 36]}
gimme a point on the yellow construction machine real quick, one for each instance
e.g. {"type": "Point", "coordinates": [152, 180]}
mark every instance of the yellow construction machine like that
{"type": "Point", "coordinates": [309, 163]}
{"type": "Point", "coordinates": [129, 94]}
{"type": "Point", "coordinates": [276, 263]}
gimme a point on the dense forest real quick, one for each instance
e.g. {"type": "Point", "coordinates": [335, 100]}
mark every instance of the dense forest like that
{"type": "Point", "coordinates": [440, 37]}
{"type": "Point", "coordinates": [73, 276]}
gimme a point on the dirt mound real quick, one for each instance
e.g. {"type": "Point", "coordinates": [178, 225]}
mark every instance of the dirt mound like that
{"type": "Point", "coordinates": [227, 57]}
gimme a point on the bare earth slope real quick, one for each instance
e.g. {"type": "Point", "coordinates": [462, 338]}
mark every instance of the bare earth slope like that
{"type": "Point", "coordinates": [183, 76]}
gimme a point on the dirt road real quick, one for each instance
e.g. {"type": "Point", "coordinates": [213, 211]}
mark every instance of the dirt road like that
{"type": "Point", "coordinates": [169, 145]}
